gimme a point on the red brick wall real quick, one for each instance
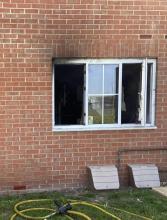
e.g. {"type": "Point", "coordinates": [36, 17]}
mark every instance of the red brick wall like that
{"type": "Point", "coordinates": [32, 32]}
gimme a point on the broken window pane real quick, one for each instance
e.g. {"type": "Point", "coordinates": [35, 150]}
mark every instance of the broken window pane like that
{"type": "Point", "coordinates": [131, 93]}
{"type": "Point", "coordinates": [69, 84]}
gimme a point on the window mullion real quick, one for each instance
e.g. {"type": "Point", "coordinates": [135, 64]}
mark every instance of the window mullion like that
{"type": "Point", "coordinates": [86, 96]}
{"type": "Point", "coordinates": [119, 94]}
{"type": "Point", "coordinates": [103, 98]}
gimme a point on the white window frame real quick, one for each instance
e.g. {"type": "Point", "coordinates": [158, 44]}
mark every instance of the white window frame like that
{"type": "Point", "coordinates": [117, 126]}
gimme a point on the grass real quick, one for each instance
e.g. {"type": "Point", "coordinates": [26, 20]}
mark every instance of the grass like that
{"type": "Point", "coordinates": [143, 202]}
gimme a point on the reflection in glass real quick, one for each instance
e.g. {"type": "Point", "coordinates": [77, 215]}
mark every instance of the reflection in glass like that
{"type": "Point", "coordinates": [110, 109]}
{"type": "Point", "coordinates": [95, 110]}
{"type": "Point", "coordinates": [111, 79]}
{"type": "Point", "coordinates": [95, 79]}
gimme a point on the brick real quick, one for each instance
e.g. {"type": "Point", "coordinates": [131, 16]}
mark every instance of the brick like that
{"type": "Point", "coordinates": [9, 5]}
{"type": "Point", "coordinates": [31, 34]}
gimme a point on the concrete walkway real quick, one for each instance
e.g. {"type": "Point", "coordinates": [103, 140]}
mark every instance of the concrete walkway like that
{"type": "Point", "coordinates": [161, 190]}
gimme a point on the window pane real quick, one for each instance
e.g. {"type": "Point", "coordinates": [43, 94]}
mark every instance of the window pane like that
{"type": "Point", "coordinates": [95, 110]}
{"type": "Point", "coordinates": [111, 79]}
{"type": "Point", "coordinates": [149, 93]}
{"type": "Point", "coordinates": [131, 93]}
{"type": "Point", "coordinates": [110, 109]}
{"type": "Point", "coordinates": [95, 79]}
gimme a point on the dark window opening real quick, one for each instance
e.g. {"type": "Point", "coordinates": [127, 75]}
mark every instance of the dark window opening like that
{"type": "Point", "coordinates": [69, 92]}
{"type": "Point", "coordinates": [131, 93]}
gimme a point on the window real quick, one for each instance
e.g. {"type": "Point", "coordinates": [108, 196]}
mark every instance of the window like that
{"type": "Point", "coordinates": [103, 94]}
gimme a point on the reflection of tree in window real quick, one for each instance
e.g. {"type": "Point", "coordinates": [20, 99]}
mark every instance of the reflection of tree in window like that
{"type": "Point", "coordinates": [131, 90]}
{"type": "Point", "coordinates": [95, 110]}
{"type": "Point", "coordinates": [110, 109]}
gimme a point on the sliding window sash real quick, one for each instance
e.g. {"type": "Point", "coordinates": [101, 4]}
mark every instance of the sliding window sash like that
{"type": "Point", "coordinates": [152, 91]}
{"type": "Point", "coordinates": [145, 91]}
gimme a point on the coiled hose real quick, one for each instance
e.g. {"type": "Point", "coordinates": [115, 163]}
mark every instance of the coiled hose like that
{"type": "Point", "coordinates": [68, 214]}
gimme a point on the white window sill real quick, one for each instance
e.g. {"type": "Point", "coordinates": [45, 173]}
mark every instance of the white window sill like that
{"type": "Point", "coordinates": [101, 127]}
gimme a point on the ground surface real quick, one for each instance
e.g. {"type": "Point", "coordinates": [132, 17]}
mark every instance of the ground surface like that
{"type": "Point", "coordinates": [142, 202]}
{"type": "Point", "coordinates": [161, 190]}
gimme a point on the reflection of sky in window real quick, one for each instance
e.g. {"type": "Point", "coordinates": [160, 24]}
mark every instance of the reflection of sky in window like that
{"type": "Point", "coordinates": [95, 79]}
{"type": "Point", "coordinates": [110, 84]}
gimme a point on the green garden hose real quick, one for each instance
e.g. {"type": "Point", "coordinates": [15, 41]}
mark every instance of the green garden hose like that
{"type": "Point", "coordinates": [68, 214]}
